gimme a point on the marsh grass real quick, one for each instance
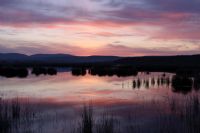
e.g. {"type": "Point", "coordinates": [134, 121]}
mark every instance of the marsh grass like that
{"type": "Point", "coordinates": [90, 124]}
{"type": "Point", "coordinates": [191, 115]}
{"type": "Point", "coordinates": [5, 122]}
{"type": "Point", "coordinates": [87, 120]}
{"type": "Point", "coordinates": [184, 116]}
{"type": "Point", "coordinates": [13, 115]}
{"type": "Point", "coordinates": [106, 124]}
{"type": "Point", "coordinates": [178, 117]}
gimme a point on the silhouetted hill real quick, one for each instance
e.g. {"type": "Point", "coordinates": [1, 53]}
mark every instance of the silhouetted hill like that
{"type": "Point", "coordinates": [146, 62]}
{"type": "Point", "coordinates": [181, 60]}
{"type": "Point", "coordinates": [54, 58]}
{"type": "Point", "coordinates": [12, 57]}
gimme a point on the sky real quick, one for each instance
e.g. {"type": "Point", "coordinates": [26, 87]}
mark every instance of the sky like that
{"type": "Point", "coordinates": [100, 27]}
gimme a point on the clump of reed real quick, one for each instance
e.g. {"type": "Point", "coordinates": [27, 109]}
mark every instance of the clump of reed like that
{"type": "Point", "coordinates": [5, 122]}
{"type": "Point", "coordinates": [191, 114]}
{"type": "Point", "coordinates": [180, 117]}
{"type": "Point", "coordinates": [105, 124]}
{"type": "Point", "coordinates": [12, 114]}
{"type": "Point", "coordinates": [87, 120]}
{"type": "Point", "coordinates": [184, 116]}
{"type": "Point", "coordinates": [90, 124]}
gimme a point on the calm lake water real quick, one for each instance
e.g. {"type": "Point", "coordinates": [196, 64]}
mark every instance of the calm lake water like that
{"type": "Point", "coordinates": [65, 87]}
{"type": "Point", "coordinates": [58, 99]}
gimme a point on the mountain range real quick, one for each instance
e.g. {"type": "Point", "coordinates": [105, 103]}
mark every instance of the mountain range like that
{"type": "Point", "coordinates": [54, 58]}
{"type": "Point", "coordinates": [179, 60]}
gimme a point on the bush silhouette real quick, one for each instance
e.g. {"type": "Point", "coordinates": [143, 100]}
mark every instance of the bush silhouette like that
{"type": "Point", "coordinates": [10, 72]}
{"type": "Point", "coordinates": [41, 70]}
{"type": "Point", "coordinates": [79, 71]}
{"type": "Point", "coordinates": [182, 84]}
{"type": "Point", "coordinates": [51, 71]}
{"type": "Point", "coordinates": [120, 71]}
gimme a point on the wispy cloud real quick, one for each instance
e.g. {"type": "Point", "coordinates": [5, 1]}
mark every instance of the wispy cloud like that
{"type": "Point", "coordinates": [164, 20]}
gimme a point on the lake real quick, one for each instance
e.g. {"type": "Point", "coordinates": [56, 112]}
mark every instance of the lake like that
{"type": "Point", "coordinates": [141, 103]}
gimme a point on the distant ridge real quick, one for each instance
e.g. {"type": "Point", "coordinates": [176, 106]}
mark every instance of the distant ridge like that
{"type": "Point", "coordinates": [178, 60]}
{"type": "Point", "coordinates": [54, 58]}
{"type": "Point", "coordinates": [12, 56]}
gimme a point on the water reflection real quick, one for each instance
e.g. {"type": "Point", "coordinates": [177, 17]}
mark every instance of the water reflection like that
{"type": "Point", "coordinates": [137, 101]}
{"type": "Point", "coordinates": [151, 82]}
{"type": "Point", "coordinates": [87, 86]}
{"type": "Point", "coordinates": [66, 87]}
{"type": "Point", "coordinates": [179, 84]}
{"type": "Point", "coordinates": [183, 82]}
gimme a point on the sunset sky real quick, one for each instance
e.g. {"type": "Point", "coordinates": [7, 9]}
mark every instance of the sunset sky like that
{"type": "Point", "coordinates": [100, 27]}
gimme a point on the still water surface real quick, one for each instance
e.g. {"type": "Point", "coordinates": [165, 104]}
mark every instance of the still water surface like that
{"type": "Point", "coordinates": [67, 88]}
{"type": "Point", "coordinates": [61, 96]}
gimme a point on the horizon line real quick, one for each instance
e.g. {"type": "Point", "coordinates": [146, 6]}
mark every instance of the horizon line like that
{"type": "Point", "coordinates": [100, 55]}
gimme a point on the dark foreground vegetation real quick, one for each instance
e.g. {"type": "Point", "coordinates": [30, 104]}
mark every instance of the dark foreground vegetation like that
{"type": "Point", "coordinates": [184, 118]}
{"type": "Point", "coordinates": [172, 117]}
{"type": "Point", "coordinates": [12, 113]}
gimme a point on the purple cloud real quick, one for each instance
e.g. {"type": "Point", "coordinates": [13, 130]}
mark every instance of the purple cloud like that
{"type": "Point", "coordinates": [175, 19]}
